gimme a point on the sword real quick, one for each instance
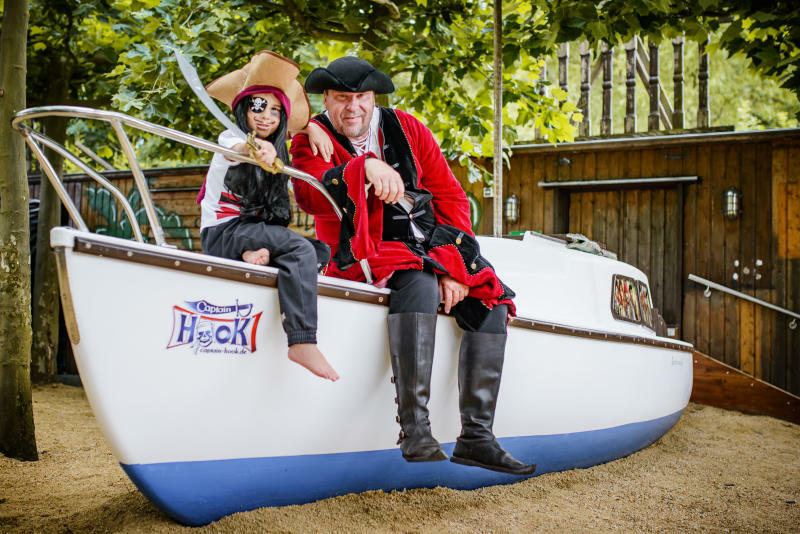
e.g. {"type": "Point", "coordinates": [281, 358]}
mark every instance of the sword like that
{"type": "Point", "coordinates": [190, 74]}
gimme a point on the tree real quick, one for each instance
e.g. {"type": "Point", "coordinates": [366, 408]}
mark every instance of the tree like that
{"type": "Point", "coordinates": [17, 437]}
{"type": "Point", "coordinates": [439, 52]}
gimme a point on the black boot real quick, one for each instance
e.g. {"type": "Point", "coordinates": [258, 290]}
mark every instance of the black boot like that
{"type": "Point", "coordinates": [480, 366]}
{"type": "Point", "coordinates": [411, 340]}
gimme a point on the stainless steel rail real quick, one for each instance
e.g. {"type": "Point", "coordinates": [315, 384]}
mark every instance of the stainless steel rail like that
{"type": "Point", "coordinates": [713, 285]}
{"type": "Point", "coordinates": [35, 139]}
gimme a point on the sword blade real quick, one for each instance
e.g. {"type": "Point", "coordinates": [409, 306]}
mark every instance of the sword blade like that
{"type": "Point", "coordinates": [190, 74]}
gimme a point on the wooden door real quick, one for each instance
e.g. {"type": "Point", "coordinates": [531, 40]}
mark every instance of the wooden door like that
{"type": "Point", "coordinates": [644, 228]}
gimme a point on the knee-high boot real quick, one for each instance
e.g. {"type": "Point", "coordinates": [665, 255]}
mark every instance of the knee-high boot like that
{"type": "Point", "coordinates": [480, 366]}
{"type": "Point", "coordinates": [411, 342]}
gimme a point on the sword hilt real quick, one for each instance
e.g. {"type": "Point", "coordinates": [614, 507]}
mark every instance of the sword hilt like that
{"type": "Point", "coordinates": [252, 146]}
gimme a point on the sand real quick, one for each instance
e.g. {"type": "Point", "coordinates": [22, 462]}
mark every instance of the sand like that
{"type": "Point", "coordinates": [715, 471]}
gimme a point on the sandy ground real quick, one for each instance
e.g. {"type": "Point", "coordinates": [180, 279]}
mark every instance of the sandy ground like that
{"type": "Point", "coordinates": [715, 471]}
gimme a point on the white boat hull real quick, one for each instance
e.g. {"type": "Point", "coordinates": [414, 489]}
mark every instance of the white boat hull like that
{"type": "Point", "coordinates": [232, 425]}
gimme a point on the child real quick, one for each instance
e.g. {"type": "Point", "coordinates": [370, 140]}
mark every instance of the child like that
{"type": "Point", "coordinates": [246, 211]}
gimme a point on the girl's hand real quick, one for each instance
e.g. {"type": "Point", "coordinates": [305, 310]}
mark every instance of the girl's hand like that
{"type": "Point", "coordinates": [266, 152]}
{"type": "Point", "coordinates": [238, 147]}
{"type": "Point", "coordinates": [321, 144]}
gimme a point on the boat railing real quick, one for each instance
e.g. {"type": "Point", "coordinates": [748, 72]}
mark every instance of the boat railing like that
{"type": "Point", "coordinates": [37, 140]}
{"type": "Point", "coordinates": [719, 287]}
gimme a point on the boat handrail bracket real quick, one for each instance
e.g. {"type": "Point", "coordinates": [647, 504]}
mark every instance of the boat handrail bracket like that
{"type": "Point", "coordinates": [35, 140]}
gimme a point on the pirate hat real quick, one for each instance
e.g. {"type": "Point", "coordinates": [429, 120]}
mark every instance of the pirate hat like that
{"type": "Point", "coordinates": [266, 69]}
{"type": "Point", "coordinates": [350, 74]}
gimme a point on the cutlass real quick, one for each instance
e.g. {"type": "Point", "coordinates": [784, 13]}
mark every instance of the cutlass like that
{"type": "Point", "coordinates": [190, 74]}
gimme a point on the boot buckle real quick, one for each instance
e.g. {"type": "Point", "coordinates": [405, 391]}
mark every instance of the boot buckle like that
{"type": "Point", "coordinates": [401, 437]}
{"type": "Point", "coordinates": [393, 380]}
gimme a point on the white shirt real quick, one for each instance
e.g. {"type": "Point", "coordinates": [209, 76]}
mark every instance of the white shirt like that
{"type": "Point", "coordinates": [214, 209]}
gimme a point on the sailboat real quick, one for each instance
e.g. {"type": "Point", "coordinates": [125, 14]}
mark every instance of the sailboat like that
{"type": "Point", "coordinates": [184, 362]}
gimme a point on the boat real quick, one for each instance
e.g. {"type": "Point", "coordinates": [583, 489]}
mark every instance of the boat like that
{"type": "Point", "coordinates": [184, 363]}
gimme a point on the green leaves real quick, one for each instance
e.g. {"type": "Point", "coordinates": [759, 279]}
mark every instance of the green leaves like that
{"type": "Point", "coordinates": [439, 53]}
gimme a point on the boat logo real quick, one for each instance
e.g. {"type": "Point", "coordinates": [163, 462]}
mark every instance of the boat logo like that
{"type": "Point", "coordinates": [213, 329]}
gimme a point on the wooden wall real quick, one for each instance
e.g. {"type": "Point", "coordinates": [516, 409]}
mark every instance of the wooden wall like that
{"type": "Point", "coordinates": [669, 231]}
{"type": "Point", "coordinates": [674, 230]}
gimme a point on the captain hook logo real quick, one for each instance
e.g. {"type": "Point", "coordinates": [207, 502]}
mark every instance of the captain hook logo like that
{"type": "Point", "coordinates": [214, 329]}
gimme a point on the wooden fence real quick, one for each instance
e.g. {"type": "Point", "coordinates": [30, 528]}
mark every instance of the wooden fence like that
{"type": "Point", "coordinates": [641, 63]}
{"type": "Point", "coordinates": [174, 192]}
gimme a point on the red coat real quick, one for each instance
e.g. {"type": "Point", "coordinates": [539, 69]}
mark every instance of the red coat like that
{"type": "Point", "coordinates": [454, 247]}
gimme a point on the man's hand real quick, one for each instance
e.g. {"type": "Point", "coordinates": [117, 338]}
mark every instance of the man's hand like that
{"type": "Point", "coordinates": [451, 291]}
{"type": "Point", "coordinates": [386, 182]}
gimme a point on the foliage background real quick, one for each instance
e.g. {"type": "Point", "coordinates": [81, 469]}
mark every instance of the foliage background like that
{"type": "Point", "coordinates": [116, 54]}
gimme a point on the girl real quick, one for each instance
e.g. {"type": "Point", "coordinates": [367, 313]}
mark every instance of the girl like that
{"type": "Point", "coordinates": [246, 211]}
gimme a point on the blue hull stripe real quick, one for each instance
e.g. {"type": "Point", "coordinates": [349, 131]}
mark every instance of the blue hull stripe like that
{"type": "Point", "coordinates": [197, 493]}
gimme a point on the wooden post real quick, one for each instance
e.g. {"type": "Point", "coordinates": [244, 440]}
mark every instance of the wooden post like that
{"type": "Point", "coordinates": [563, 58]}
{"type": "Point", "coordinates": [702, 82]}
{"type": "Point", "coordinates": [608, 84]}
{"type": "Point", "coordinates": [497, 219]}
{"type": "Point", "coordinates": [677, 78]}
{"type": "Point", "coordinates": [584, 104]}
{"type": "Point", "coordinates": [630, 85]}
{"type": "Point", "coordinates": [544, 90]}
{"type": "Point", "coordinates": [652, 89]}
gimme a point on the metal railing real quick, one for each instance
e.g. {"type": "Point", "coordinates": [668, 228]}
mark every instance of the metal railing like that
{"type": "Point", "coordinates": [719, 287]}
{"type": "Point", "coordinates": [36, 140]}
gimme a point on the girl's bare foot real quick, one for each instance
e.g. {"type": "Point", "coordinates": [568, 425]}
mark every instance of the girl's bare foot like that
{"type": "Point", "coordinates": [309, 356]}
{"type": "Point", "coordinates": [256, 257]}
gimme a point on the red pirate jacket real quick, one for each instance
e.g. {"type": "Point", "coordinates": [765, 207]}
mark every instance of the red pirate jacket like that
{"type": "Point", "coordinates": [451, 247]}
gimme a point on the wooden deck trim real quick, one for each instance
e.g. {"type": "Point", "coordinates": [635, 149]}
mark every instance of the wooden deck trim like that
{"type": "Point", "coordinates": [256, 276]}
{"type": "Point", "coordinates": [243, 273]}
{"type": "Point", "coordinates": [599, 335]}
{"type": "Point", "coordinates": [718, 384]}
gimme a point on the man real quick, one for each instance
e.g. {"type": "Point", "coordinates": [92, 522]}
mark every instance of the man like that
{"type": "Point", "coordinates": [407, 215]}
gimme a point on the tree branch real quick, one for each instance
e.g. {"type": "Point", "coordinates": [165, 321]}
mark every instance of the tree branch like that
{"type": "Point", "coordinates": [306, 22]}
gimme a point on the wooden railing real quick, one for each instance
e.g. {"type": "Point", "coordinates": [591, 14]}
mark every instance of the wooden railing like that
{"type": "Point", "coordinates": [642, 61]}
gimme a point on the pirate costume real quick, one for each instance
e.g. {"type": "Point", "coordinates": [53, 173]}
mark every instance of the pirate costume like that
{"type": "Point", "coordinates": [408, 245]}
{"type": "Point", "coordinates": [245, 208]}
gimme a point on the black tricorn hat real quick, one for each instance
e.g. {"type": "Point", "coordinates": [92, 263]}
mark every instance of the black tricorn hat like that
{"type": "Point", "coordinates": [350, 74]}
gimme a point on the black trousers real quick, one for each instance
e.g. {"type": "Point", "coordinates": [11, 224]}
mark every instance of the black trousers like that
{"type": "Point", "coordinates": [297, 258]}
{"type": "Point", "coordinates": [418, 291]}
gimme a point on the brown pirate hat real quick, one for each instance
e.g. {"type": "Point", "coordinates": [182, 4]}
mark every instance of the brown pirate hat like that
{"type": "Point", "coordinates": [265, 69]}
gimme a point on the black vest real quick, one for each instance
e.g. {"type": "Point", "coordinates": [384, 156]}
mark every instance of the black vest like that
{"type": "Point", "coordinates": [396, 152]}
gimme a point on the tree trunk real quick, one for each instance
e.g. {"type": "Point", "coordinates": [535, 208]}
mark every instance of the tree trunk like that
{"type": "Point", "coordinates": [17, 437]}
{"type": "Point", "coordinates": [44, 349]}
